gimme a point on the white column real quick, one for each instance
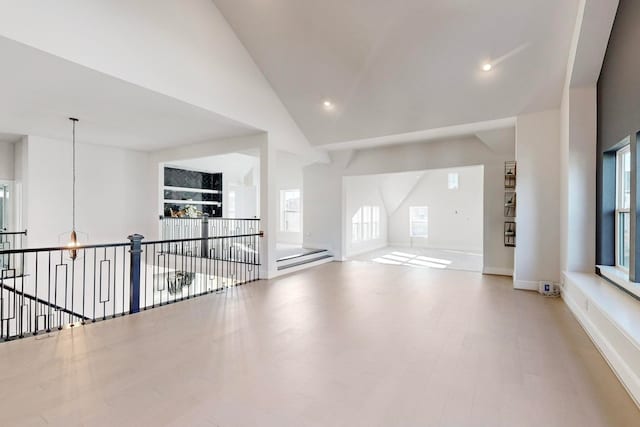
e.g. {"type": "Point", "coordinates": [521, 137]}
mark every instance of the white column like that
{"type": "Point", "coordinates": [537, 253]}
{"type": "Point", "coordinates": [579, 217]}
{"type": "Point", "coordinates": [268, 208]}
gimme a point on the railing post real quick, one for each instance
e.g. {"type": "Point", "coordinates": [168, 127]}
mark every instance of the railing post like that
{"type": "Point", "coordinates": [204, 232]}
{"type": "Point", "coordinates": [134, 290]}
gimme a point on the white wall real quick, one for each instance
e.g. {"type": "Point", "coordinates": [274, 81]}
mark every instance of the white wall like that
{"type": "Point", "coordinates": [114, 192]}
{"type": "Point", "coordinates": [578, 172]}
{"type": "Point", "coordinates": [6, 161]}
{"type": "Point", "coordinates": [455, 216]}
{"type": "Point", "coordinates": [323, 199]}
{"type": "Point", "coordinates": [323, 224]}
{"type": "Point", "coordinates": [362, 191]}
{"type": "Point", "coordinates": [537, 254]}
{"type": "Point", "coordinates": [181, 48]}
{"type": "Point", "coordinates": [289, 177]}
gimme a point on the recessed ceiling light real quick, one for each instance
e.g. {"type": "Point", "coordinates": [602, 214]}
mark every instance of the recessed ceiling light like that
{"type": "Point", "coordinates": [487, 66]}
{"type": "Point", "coordinates": [328, 105]}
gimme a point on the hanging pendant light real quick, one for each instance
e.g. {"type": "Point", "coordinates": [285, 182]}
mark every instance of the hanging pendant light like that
{"type": "Point", "coordinates": [71, 239]}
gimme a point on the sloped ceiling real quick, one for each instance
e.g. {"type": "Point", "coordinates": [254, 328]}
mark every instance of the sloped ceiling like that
{"type": "Point", "coordinates": [394, 67]}
{"type": "Point", "coordinates": [500, 141]}
{"type": "Point", "coordinates": [394, 188]}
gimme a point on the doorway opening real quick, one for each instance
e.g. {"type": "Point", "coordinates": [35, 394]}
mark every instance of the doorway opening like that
{"type": "Point", "coordinates": [420, 219]}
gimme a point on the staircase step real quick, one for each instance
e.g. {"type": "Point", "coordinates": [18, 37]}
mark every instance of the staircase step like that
{"type": "Point", "coordinates": [303, 254]}
{"type": "Point", "coordinates": [299, 260]}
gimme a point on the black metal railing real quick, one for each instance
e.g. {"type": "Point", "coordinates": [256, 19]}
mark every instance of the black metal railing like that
{"type": "Point", "coordinates": [44, 289]}
{"type": "Point", "coordinates": [204, 227]}
{"type": "Point", "coordinates": [10, 240]}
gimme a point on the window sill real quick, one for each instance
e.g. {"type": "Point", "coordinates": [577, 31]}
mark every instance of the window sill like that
{"type": "Point", "coordinates": [620, 278]}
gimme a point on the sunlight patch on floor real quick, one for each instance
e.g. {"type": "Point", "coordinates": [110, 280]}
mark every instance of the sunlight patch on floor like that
{"type": "Point", "coordinates": [423, 257]}
{"type": "Point", "coordinates": [412, 260]}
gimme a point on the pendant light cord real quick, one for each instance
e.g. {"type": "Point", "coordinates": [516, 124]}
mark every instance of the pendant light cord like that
{"type": "Point", "coordinates": [73, 200]}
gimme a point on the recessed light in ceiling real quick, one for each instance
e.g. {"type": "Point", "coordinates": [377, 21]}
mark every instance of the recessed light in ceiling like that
{"type": "Point", "coordinates": [487, 66]}
{"type": "Point", "coordinates": [328, 105]}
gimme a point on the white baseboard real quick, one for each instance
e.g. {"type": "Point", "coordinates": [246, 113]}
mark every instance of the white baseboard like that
{"type": "Point", "coordinates": [525, 285]}
{"type": "Point", "coordinates": [606, 334]}
{"type": "Point", "coordinates": [498, 271]}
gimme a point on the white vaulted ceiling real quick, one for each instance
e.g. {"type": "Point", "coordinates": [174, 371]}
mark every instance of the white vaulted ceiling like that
{"type": "Point", "coordinates": [393, 67]}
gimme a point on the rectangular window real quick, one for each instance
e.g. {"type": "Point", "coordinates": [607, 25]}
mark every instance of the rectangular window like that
{"type": "Point", "coordinates": [366, 223]}
{"type": "Point", "coordinates": [623, 203]}
{"type": "Point", "coordinates": [356, 225]}
{"type": "Point", "coordinates": [4, 195]}
{"type": "Point", "coordinates": [453, 181]}
{"type": "Point", "coordinates": [375, 222]}
{"type": "Point", "coordinates": [419, 221]}
{"type": "Point", "coordinates": [290, 211]}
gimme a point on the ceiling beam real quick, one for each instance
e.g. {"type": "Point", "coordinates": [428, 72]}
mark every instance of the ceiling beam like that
{"type": "Point", "coordinates": [423, 135]}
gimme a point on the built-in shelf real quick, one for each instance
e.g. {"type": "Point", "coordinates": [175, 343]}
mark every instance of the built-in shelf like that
{"type": "Point", "coordinates": [510, 175]}
{"type": "Point", "coordinates": [203, 190]}
{"type": "Point", "coordinates": [510, 203]}
{"type": "Point", "coordinates": [184, 187]}
{"type": "Point", "coordinates": [510, 233]}
{"type": "Point", "coordinates": [192, 202]}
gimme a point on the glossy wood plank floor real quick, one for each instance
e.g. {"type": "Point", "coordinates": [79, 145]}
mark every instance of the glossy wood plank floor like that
{"type": "Point", "coordinates": [343, 344]}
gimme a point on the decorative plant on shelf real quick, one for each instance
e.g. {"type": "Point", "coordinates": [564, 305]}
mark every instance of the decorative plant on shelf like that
{"type": "Point", "coordinates": [191, 211]}
{"type": "Point", "coordinates": [188, 211]}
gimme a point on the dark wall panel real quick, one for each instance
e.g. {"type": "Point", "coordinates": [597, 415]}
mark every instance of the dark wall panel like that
{"type": "Point", "coordinates": [619, 83]}
{"type": "Point", "coordinates": [618, 116]}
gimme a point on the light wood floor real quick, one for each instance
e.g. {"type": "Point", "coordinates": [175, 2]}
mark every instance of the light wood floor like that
{"type": "Point", "coordinates": [343, 344]}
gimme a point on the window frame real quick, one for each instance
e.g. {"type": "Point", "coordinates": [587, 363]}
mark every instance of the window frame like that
{"type": "Point", "coordinates": [455, 183]}
{"type": "Point", "coordinates": [356, 225]}
{"type": "Point", "coordinates": [620, 209]}
{"type": "Point", "coordinates": [283, 211]}
{"type": "Point", "coordinates": [365, 224]}
{"type": "Point", "coordinates": [8, 200]}
{"type": "Point", "coordinates": [375, 222]}
{"type": "Point", "coordinates": [412, 221]}
{"type": "Point", "coordinates": [367, 219]}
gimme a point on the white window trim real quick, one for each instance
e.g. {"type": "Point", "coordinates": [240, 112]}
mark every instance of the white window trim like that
{"type": "Point", "coordinates": [619, 210]}
{"type": "Point", "coordinates": [9, 205]}
{"type": "Point", "coordinates": [282, 210]}
{"type": "Point", "coordinates": [375, 222]}
{"type": "Point", "coordinates": [621, 278]}
{"type": "Point", "coordinates": [411, 221]}
{"type": "Point", "coordinates": [457, 181]}
{"type": "Point", "coordinates": [373, 226]}
{"type": "Point", "coordinates": [356, 237]}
